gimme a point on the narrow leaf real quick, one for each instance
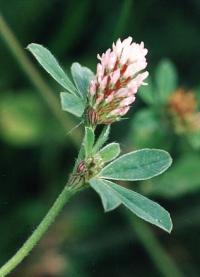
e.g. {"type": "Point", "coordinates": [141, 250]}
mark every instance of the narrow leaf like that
{"type": "Point", "coordinates": [144, 207]}
{"type": "Point", "coordinates": [88, 140]}
{"type": "Point", "coordinates": [113, 195]}
{"type": "Point", "coordinates": [137, 165]}
{"type": "Point", "coordinates": [166, 79]}
{"type": "Point", "coordinates": [110, 152]}
{"type": "Point", "coordinates": [50, 64]}
{"type": "Point", "coordinates": [109, 200]}
{"type": "Point", "coordinates": [72, 104]}
{"type": "Point", "coordinates": [82, 77]}
{"type": "Point", "coordinates": [102, 138]}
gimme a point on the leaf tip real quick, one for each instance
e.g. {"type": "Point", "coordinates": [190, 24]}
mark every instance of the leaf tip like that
{"type": "Point", "coordinates": [30, 45]}
{"type": "Point", "coordinates": [170, 226]}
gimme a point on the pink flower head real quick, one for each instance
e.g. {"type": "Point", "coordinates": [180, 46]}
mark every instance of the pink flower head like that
{"type": "Point", "coordinates": [116, 82]}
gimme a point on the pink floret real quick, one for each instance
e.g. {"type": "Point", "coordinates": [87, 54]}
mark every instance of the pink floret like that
{"type": "Point", "coordinates": [119, 75]}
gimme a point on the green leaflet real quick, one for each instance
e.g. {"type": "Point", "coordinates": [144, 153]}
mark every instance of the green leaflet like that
{"type": "Point", "coordinates": [110, 152]}
{"type": "Point", "coordinates": [166, 80]}
{"type": "Point", "coordinates": [137, 165]}
{"type": "Point", "coordinates": [102, 138]}
{"type": "Point", "coordinates": [50, 64]}
{"type": "Point", "coordinates": [113, 195]}
{"type": "Point", "coordinates": [82, 77]}
{"type": "Point", "coordinates": [72, 104]}
{"type": "Point", "coordinates": [110, 201]}
{"type": "Point", "coordinates": [88, 141]}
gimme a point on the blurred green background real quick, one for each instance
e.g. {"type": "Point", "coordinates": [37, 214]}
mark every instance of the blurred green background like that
{"type": "Point", "coordinates": [37, 153]}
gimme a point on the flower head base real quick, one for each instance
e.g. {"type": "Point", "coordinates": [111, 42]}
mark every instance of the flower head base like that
{"type": "Point", "coordinates": [116, 82]}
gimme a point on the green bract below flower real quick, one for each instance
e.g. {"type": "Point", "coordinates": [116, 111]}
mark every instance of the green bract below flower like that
{"type": "Point", "coordinates": [102, 99]}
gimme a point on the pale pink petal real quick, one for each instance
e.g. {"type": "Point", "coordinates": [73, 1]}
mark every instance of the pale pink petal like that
{"type": "Point", "coordinates": [92, 88]}
{"type": "Point", "coordinates": [103, 83]}
{"type": "Point", "coordinates": [112, 60]}
{"type": "Point", "coordinates": [100, 71]}
{"type": "Point", "coordinates": [141, 77]}
{"type": "Point", "coordinates": [125, 56]}
{"type": "Point", "coordinates": [121, 92]}
{"type": "Point", "coordinates": [137, 53]}
{"type": "Point", "coordinates": [127, 101]}
{"type": "Point", "coordinates": [114, 76]}
{"type": "Point", "coordinates": [99, 99]}
{"type": "Point", "coordinates": [115, 112]}
{"type": "Point", "coordinates": [131, 70]}
{"type": "Point", "coordinates": [124, 110]}
{"type": "Point", "coordinates": [117, 49]}
{"type": "Point", "coordinates": [110, 97]}
{"type": "Point", "coordinates": [127, 42]}
{"type": "Point", "coordinates": [105, 58]}
{"type": "Point", "coordinates": [135, 83]}
{"type": "Point", "coordinates": [119, 111]}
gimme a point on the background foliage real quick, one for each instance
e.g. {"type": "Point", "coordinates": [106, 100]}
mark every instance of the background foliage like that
{"type": "Point", "coordinates": [37, 154]}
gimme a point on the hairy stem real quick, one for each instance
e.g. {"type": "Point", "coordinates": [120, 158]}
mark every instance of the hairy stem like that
{"type": "Point", "coordinates": [58, 205]}
{"type": "Point", "coordinates": [35, 77]}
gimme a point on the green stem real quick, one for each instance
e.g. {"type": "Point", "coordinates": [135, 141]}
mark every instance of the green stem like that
{"type": "Point", "coordinates": [35, 77]}
{"type": "Point", "coordinates": [163, 262]}
{"type": "Point", "coordinates": [58, 205]}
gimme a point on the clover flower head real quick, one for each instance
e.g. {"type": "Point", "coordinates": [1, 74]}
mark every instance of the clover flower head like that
{"type": "Point", "coordinates": [184, 110]}
{"type": "Point", "coordinates": [182, 103]}
{"type": "Point", "coordinates": [118, 77]}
